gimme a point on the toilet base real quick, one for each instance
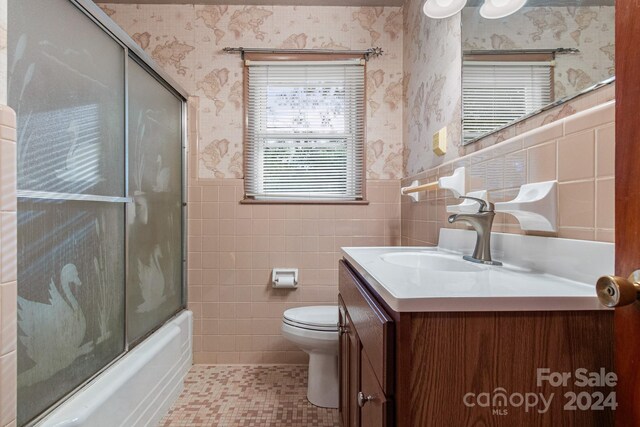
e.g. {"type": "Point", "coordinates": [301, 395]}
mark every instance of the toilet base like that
{"type": "Point", "coordinates": [323, 389]}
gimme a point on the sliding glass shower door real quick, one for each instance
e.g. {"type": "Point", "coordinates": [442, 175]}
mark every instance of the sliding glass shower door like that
{"type": "Point", "coordinates": [155, 221]}
{"type": "Point", "coordinates": [100, 189]}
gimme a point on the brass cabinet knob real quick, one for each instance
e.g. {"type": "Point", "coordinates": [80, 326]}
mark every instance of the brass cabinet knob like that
{"type": "Point", "coordinates": [362, 399]}
{"type": "Point", "coordinates": [615, 291]}
{"type": "Point", "coordinates": [342, 330]}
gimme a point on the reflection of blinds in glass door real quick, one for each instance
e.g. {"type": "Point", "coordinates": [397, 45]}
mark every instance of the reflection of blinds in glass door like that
{"type": "Point", "coordinates": [497, 93]}
{"type": "Point", "coordinates": [75, 211]}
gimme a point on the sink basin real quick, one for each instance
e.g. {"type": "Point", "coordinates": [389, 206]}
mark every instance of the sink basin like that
{"type": "Point", "coordinates": [430, 261]}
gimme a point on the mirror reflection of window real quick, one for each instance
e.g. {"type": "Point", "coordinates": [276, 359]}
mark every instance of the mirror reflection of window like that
{"type": "Point", "coordinates": [579, 34]}
{"type": "Point", "coordinates": [499, 88]}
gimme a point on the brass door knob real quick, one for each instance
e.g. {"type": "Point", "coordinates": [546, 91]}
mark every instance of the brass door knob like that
{"type": "Point", "coordinates": [615, 291]}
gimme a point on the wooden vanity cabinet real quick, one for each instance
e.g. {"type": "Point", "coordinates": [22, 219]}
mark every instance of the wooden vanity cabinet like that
{"type": "Point", "coordinates": [365, 362]}
{"type": "Point", "coordinates": [417, 367]}
{"type": "Point", "coordinates": [349, 369]}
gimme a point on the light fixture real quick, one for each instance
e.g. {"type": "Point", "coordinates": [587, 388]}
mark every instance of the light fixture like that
{"type": "Point", "coordinates": [496, 9]}
{"type": "Point", "coordinates": [442, 8]}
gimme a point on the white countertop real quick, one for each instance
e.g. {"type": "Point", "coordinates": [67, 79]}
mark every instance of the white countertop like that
{"type": "Point", "coordinates": [555, 274]}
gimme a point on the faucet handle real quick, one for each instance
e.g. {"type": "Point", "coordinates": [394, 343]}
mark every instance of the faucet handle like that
{"type": "Point", "coordinates": [484, 205]}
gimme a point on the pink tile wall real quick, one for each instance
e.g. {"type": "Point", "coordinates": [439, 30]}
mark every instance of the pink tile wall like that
{"type": "Point", "coordinates": [578, 151]}
{"type": "Point", "coordinates": [233, 247]}
{"type": "Point", "coordinates": [8, 289]}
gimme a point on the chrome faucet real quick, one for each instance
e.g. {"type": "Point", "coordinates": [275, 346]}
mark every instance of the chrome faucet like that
{"type": "Point", "coordinates": [481, 221]}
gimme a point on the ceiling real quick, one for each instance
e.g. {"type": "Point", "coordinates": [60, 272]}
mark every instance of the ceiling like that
{"type": "Point", "coordinates": [267, 2]}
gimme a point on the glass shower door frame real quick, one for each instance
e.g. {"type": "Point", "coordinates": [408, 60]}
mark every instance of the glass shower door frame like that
{"type": "Point", "coordinates": [152, 69]}
{"type": "Point", "coordinates": [133, 51]}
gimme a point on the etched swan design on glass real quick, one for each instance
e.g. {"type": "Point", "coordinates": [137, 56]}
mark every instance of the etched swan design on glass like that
{"type": "Point", "coordinates": [54, 332]}
{"type": "Point", "coordinates": [82, 163]}
{"type": "Point", "coordinates": [151, 282]}
{"type": "Point", "coordinates": [163, 178]}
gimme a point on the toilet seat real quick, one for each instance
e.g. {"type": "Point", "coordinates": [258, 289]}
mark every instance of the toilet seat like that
{"type": "Point", "coordinates": [309, 338]}
{"type": "Point", "coordinates": [317, 318]}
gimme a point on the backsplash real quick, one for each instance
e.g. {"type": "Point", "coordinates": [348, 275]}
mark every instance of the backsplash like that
{"type": "Point", "coordinates": [536, 149]}
{"type": "Point", "coordinates": [578, 151]}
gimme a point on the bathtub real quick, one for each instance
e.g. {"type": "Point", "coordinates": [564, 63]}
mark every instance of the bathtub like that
{"type": "Point", "coordinates": [138, 389]}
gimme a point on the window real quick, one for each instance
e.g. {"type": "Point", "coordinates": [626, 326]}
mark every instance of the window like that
{"type": "Point", "coordinates": [304, 136]}
{"type": "Point", "coordinates": [496, 92]}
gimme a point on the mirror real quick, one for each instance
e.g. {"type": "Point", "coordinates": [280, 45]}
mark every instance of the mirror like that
{"type": "Point", "coordinates": [544, 54]}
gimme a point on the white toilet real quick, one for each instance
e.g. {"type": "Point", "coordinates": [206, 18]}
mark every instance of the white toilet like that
{"type": "Point", "coordinates": [315, 331]}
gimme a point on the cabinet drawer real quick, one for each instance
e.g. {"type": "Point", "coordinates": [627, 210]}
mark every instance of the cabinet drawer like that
{"type": "Point", "coordinates": [373, 412]}
{"type": "Point", "coordinates": [372, 324]}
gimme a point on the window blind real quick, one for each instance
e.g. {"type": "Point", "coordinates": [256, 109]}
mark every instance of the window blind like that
{"type": "Point", "coordinates": [497, 93]}
{"type": "Point", "coordinates": [304, 137]}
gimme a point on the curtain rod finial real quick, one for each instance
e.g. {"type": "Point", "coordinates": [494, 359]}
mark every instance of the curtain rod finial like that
{"type": "Point", "coordinates": [375, 52]}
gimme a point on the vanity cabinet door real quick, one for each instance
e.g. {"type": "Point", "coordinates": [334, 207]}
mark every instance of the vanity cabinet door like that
{"type": "Point", "coordinates": [349, 357]}
{"type": "Point", "coordinates": [355, 348]}
{"type": "Point", "coordinates": [374, 327]}
{"type": "Point", "coordinates": [343, 365]}
{"type": "Point", "coordinates": [371, 398]}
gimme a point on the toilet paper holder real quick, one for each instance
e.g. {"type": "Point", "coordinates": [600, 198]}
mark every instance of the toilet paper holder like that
{"type": "Point", "coordinates": [284, 278]}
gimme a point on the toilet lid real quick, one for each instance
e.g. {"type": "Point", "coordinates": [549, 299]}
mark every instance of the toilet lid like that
{"type": "Point", "coordinates": [323, 317]}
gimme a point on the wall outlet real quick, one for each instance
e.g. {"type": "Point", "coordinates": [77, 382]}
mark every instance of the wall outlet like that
{"type": "Point", "coordinates": [440, 142]}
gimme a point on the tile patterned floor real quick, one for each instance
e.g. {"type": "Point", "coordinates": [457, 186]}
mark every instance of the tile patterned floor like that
{"type": "Point", "coordinates": [247, 396]}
